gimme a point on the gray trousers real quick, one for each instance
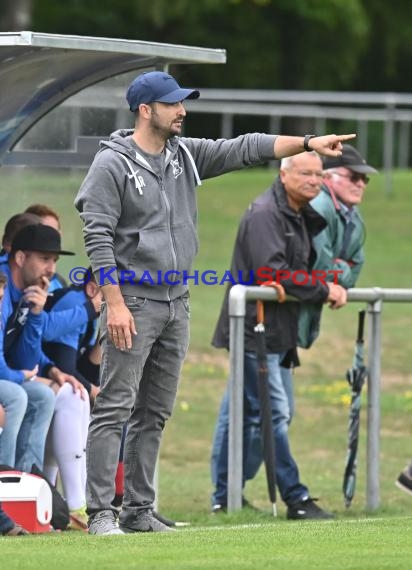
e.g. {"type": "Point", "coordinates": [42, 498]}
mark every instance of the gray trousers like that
{"type": "Point", "coordinates": [138, 386]}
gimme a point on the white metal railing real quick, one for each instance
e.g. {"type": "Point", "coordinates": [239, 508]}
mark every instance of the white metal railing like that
{"type": "Point", "coordinates": [239, 295]}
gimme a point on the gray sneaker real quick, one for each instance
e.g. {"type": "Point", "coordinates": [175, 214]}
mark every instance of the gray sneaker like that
{"type": "Point", "coordinates": [103, 523]}
{"type": "Point", "coordinates": [145, 521]}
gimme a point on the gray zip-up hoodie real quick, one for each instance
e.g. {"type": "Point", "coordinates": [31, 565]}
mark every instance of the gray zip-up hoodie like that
{"type": "Point", "coordinates": [140, 228]}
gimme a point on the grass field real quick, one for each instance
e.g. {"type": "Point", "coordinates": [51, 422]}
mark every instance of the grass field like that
{"type": "Point", "coordinates": [357, 539]}
{"type": "Point", "coordinates": [339, 545]}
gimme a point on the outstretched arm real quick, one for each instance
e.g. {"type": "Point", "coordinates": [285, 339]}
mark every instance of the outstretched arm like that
{"type": "Point", "coordinates": [327, 145]}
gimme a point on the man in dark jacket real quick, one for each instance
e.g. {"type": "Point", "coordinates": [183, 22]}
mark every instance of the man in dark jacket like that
{"type": "Point", "coordinates": [275, 236]}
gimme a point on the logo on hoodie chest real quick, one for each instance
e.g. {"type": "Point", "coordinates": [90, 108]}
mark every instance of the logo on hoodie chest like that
{"type": "Point", "coordinates": [139, 182]}
{"type": "Point", "coordinates": [177, 169]}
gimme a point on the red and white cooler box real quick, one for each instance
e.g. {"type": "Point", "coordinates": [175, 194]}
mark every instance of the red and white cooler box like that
{"type": "Point", "coordinates": [27, 499]}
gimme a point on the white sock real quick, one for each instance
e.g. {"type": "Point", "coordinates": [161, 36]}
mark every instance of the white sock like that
{"type": "Point", "coordinates": [85, 430]}
{"type": "Point", "coordinates": [68, 442]}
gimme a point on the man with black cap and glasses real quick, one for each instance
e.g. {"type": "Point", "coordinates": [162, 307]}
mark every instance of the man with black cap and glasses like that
{"type": "Point", "coordinates": [340, 245]}
{"type": "Point", "coordinates": [138, 205]}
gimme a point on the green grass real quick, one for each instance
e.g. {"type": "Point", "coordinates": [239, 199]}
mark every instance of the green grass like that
{"type": "Point", "coordinates": [318, 432]}
{"type": "Point", "coordinates": [368, 543]}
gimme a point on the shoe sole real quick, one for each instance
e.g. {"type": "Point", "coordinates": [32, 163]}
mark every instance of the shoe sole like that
{"type": "Point", "coordinates": [110, 533]}
{"type": "Point", "coordinates": [163, 520]}
{"type": "Point", "coordinates": [307, 517]}
{"type": "Point", "coordinates": [403, 487]}
{"type": "Point", "coordinates": [218, 510]}
{"type": "Point", "coordinates": [311, 519]}
{"type": "Point", "coordinates": [128, 530]}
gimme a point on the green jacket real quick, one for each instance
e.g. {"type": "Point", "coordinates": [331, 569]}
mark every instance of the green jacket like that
{"type": "Point", "coordinates": [330, 256]}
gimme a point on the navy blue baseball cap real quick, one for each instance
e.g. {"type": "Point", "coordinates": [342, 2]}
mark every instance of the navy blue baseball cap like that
{"type": "Point", "coordinates": [157, 86]}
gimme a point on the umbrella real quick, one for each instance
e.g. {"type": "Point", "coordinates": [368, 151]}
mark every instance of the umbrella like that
{"type": "Point", "coordinates": [268, 438]}
{"type": "Point", "coordinates": [356, 377]}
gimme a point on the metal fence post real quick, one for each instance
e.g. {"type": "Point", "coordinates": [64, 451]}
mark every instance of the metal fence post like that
{"type": "Point", "coordinates": [373, 420]}
{"type": "Point", "coordinates": [227, 126]}
{"type": "Point", "coordinates": [235, 461]}
{"type": "Point", "coordinates": [239, 294]}
{"type": "Point", "coordinates": [388, 145]}
{"type": "Point", "coordinates": [375, 297]}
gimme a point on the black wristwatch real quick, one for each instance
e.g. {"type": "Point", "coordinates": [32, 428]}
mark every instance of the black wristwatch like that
{"type": "Point", "coordinates": [306, 142]}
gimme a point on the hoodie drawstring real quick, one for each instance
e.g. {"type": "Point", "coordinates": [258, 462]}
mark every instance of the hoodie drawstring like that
{"type": "Point", "coordinates": [133, 174]}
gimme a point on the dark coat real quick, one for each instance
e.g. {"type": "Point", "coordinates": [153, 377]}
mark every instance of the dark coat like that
{"type": "Point", "coordinates": [273, 235]}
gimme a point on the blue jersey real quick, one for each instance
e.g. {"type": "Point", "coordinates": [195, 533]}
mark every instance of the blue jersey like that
{"type": "Point", "coordinates": [72, 318]}
{"type": "Point", "coordinates": [20, 335]}
{"type": "Point", "coordinates": [67, 300]}
{"type": "Point", "coordinates": [65, 350]}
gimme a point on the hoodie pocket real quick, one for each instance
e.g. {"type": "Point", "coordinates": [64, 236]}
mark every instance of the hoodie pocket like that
{"type": "Point", "coordinates": [153, 252]}
{"type": "Point", "coordinates": [186, 245]}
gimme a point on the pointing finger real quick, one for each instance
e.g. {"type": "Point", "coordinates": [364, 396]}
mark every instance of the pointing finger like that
{"type": "Point", "coordinates": [346, 137]}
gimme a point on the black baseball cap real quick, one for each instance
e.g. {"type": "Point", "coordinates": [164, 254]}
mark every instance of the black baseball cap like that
{"type": "Point", "coordinates": [350, 158]}
{"type": "Point", "coordinates": [157, 86]}
{"type": "Point", "coordinates": [38, 237]}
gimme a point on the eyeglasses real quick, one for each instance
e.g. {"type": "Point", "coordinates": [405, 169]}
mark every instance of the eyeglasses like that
{"type": "Point", "coordinates": [354, 177]}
